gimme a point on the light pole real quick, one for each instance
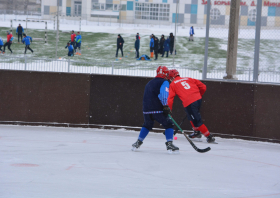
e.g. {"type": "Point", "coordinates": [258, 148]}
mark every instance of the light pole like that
{"type": "Point", "coordinates": [174, 48]}
{"type": "Point", "coordinates": [57, 27]}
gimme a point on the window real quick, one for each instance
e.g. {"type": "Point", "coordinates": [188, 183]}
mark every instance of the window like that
{"type": "Point", "coordinates": [77, 8]}
{"type": "Point", "coordinates": [109, 6]}
{"type": "Point", "coordinates": [253, 15]}
{"type": "Point", "coordinates": [46, 10]}
{"type": "Point", "coordinates": [95, 6]}
{"type": "Point", "coordinates": [123, 7]}
{"type": "Point", "coordinates": [103, 6]}
{"type": "Point", "coordinates": [117, 7]}
{"type": "Point", "coordinates": [152, 11]}
{"type": "Point", "coordinates": [215, 14]}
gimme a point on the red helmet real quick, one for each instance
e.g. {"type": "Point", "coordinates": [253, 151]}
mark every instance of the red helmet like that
{"type": "Point", "coordinates": [173, 73]}
{"type": "Point", "coordinates": [162, 71]}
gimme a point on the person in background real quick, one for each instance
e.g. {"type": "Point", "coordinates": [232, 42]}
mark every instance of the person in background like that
{"type": "Point", "coordinates": [78, 41]}
{"type": "Point", "coordinates": [161, 44]}
{"type": "Point", "coordinates": [156, 48]}
{"type": "Point", "coordinates": [1, 45]}
{"type": "Point", "coordinates": [191, 34]}
{"type": "Point", "coordinates": [19, 32]}
{"type": "Point", "coordinates": [172, 40]}
{"type": "Point", "coordinates": [137, 45]}
{"type": "Point", "coordinates": [152, 45]}
{"type": "Point", "coordinates": [70, 49]}
{"type": "Point", "coordinates": [27, 40]}
{"type": "Point", "coordinates": [9, 42]}
{"type": "Point", "coordinates": [166, 47]}
{"type": "Point", "coordinates": [138, 35]}
{"type": "Point", "coordinates": [73, 37]}
{"type": "Point", "coordinates": [120, 43]}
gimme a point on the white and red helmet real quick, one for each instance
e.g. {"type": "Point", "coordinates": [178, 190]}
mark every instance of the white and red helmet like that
{"type": "Point", "coordinates": [162, 71]}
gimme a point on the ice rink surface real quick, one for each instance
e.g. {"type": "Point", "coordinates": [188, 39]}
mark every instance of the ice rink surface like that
{"type": "Point", "coordinates": [50, 162]}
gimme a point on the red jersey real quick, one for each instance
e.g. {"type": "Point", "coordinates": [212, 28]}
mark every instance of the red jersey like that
{"type": "Point", "coordinates": [73, 37]}
{"type": "Point", "coordinates": [188, 90]}
{"type": "Point", "coordinates": [9, 36]}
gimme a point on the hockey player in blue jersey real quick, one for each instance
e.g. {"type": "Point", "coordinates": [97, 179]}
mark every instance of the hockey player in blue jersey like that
{"type": "Point", "coordinates": [27, 40]}
{"type": "Point", "coordinates": [70, 49]}
{"type": "Point", "coordinates": [155, 108]}
{"type": "Point", "coordinates": [1, 45]}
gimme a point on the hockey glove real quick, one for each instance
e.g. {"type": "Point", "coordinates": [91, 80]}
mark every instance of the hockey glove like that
{"type": "Point", "coordinates": [166, 110]}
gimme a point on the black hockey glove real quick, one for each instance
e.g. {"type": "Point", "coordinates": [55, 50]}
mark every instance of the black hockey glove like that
{"type": "Point", "coordinates": [166, 110]}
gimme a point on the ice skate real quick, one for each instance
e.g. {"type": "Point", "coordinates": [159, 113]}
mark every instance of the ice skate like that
{"type": "Point", "coordinates": [211, 139]}
{"type": "Point", "coordinates": [136, 145]}
{"type": "Point", "coordinates": [171, 148]}
{"type": "Point", "coordinates": [195, 136]}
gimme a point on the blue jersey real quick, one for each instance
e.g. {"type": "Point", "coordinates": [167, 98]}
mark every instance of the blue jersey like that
{"type": "Point", "coordinates": [27, 40]}
{"type": "Point", "coordinates": [20, 30]}
{"type": "Point", "coordinates": [1, 41]}
{"type": "Point", "coordinates": [78, 39]}
{"type": "Point", "coordinates": [70, 48]}
{"type": "Point", "coordinates": [155, 96]}
{"type": "Point", "coordinates": [191, 31]}
{"type": "Point", "coordinates": [166, 45]}
{"type": "Point", "coordinates": [152, 44]}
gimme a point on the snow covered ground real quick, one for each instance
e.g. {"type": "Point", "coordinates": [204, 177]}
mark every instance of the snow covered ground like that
{"type": "Point", "coordinates": [74, 162]}
{"type": "Point", "coordinates": [99, 45]}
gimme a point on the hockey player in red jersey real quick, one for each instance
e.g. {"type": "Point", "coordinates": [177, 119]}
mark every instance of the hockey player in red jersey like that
{"type": "Point", "coordinates": [190, 92]}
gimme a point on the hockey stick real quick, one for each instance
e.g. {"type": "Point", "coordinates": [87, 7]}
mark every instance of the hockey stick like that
{"type": "Point", "coordinates": [176, 130]}
{"type": "Point", "coordinates": [193, 145]}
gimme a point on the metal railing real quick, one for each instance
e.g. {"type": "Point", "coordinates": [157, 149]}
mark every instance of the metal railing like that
{"type": "Point", "coordinates": [146, 69]}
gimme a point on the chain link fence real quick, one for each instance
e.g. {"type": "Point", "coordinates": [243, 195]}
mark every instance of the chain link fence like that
{"type": "Point", "coordinates": [269, 59]}
{"type": "Point", "coordinates": [115, 68]}
{"type": "Point", "coordinates": [269, 40]}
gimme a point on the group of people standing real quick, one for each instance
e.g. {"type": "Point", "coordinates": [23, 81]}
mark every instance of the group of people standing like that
{"type": "Point", "coordinates": [27, 40]}
{"type": "Point", "coordinates": [162, 46]}
{"type": "Point", "coordinates": [74, 45]}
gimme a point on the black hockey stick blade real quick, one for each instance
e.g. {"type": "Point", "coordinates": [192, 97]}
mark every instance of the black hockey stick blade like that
{"type": "Point", "coordinates": [195, 148]}
{"type": "Point", "coordinates": [193, 145]}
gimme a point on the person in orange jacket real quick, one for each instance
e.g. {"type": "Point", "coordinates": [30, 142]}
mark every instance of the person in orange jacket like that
{"type": "Point", "coordinates": [190, 91]}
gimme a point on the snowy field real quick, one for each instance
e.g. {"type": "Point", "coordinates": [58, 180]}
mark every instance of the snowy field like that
{"type": "Point", "coordinates": [99, 44]}
{"type": "Point", "coordinates": [74, 162]}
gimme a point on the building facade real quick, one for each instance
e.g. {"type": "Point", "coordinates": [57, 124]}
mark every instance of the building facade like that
{"type": "Point", "coordinates": [189, 12]}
